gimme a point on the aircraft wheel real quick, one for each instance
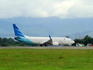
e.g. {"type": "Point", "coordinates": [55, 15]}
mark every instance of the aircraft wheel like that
{"type": "Point", "coordinates": [41, 45]}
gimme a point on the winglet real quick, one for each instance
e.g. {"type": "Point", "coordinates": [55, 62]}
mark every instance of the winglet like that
{"type": "Point", "coordinates": [17, 31]}
{"type": "Point", "coordinates": [50, 37]}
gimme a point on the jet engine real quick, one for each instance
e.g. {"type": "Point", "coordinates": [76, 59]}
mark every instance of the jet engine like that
{"type": "Point", "coordinates": [55, 43]}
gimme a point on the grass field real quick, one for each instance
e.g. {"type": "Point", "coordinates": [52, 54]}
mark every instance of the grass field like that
{"type": "Point", "coordinates": [46, 59]}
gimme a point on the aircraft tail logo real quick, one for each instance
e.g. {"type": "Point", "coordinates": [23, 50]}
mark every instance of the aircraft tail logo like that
{"type": "Point", "coordinates": [17, 31]}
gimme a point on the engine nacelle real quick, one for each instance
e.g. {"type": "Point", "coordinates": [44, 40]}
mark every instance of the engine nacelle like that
{"type": "Point", "coordinates": [55, 43]}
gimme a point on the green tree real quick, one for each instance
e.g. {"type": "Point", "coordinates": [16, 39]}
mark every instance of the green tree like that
{"type": "Point", "coordinates": [67, 37]}
{"type": "Point", "coordinates": [87, 39]}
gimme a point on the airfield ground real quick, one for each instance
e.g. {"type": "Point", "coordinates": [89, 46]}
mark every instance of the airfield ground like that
{"type": "Point", "coordinates": [46, 58]}
{"type": "Point", "coordinates": [36, 47]}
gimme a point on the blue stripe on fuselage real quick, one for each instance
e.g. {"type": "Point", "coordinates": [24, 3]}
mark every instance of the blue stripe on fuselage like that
{"type": "Point", "coordinates": [24, 39]}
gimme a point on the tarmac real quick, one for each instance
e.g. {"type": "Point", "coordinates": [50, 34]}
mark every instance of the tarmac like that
{"type": "Point", "coordinates": [54, 47]}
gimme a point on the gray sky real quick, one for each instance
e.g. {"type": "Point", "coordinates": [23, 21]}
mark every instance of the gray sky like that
{"type": "Point", "coordinates": [46, 8]}
{"type": "Point", "coordinates": [46, 17]}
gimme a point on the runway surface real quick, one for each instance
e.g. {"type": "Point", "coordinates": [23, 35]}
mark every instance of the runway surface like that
{"type": "Point", "coordinates": [69, 47]}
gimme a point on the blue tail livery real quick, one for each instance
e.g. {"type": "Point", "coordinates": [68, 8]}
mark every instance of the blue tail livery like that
{"type": "Point", "coordinates": [17, 31]}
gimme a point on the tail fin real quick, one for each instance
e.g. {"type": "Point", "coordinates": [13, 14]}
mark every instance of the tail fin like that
{"type": "Point", "coordinates": [17, 31]}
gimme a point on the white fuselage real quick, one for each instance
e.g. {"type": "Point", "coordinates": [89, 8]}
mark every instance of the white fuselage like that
{"type": "Point", "coordinates": [55, 40]}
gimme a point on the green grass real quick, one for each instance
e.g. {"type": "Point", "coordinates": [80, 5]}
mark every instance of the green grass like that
{"type": "Point", "coordinates": [46, 59]}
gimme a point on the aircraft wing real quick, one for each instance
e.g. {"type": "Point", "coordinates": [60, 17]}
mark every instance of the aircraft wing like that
{"type": "Point", "coordinates": [49, 42]}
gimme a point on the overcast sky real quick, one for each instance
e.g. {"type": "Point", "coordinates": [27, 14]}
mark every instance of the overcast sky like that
{"type": "Point", "coordinates": [46, 8]}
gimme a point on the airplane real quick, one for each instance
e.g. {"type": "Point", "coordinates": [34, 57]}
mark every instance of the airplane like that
{"type": "Point", "coordinates": [42, 41]}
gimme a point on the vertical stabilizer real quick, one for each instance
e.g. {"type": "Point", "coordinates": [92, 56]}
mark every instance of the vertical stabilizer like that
{"type": "Point", "coordinates": [17, 31]}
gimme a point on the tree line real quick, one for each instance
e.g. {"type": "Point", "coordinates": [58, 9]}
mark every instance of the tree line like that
{"type": "Point", "coordinates": [11, 42]}
{"type": "Point", "coordinates": [86, 40]}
